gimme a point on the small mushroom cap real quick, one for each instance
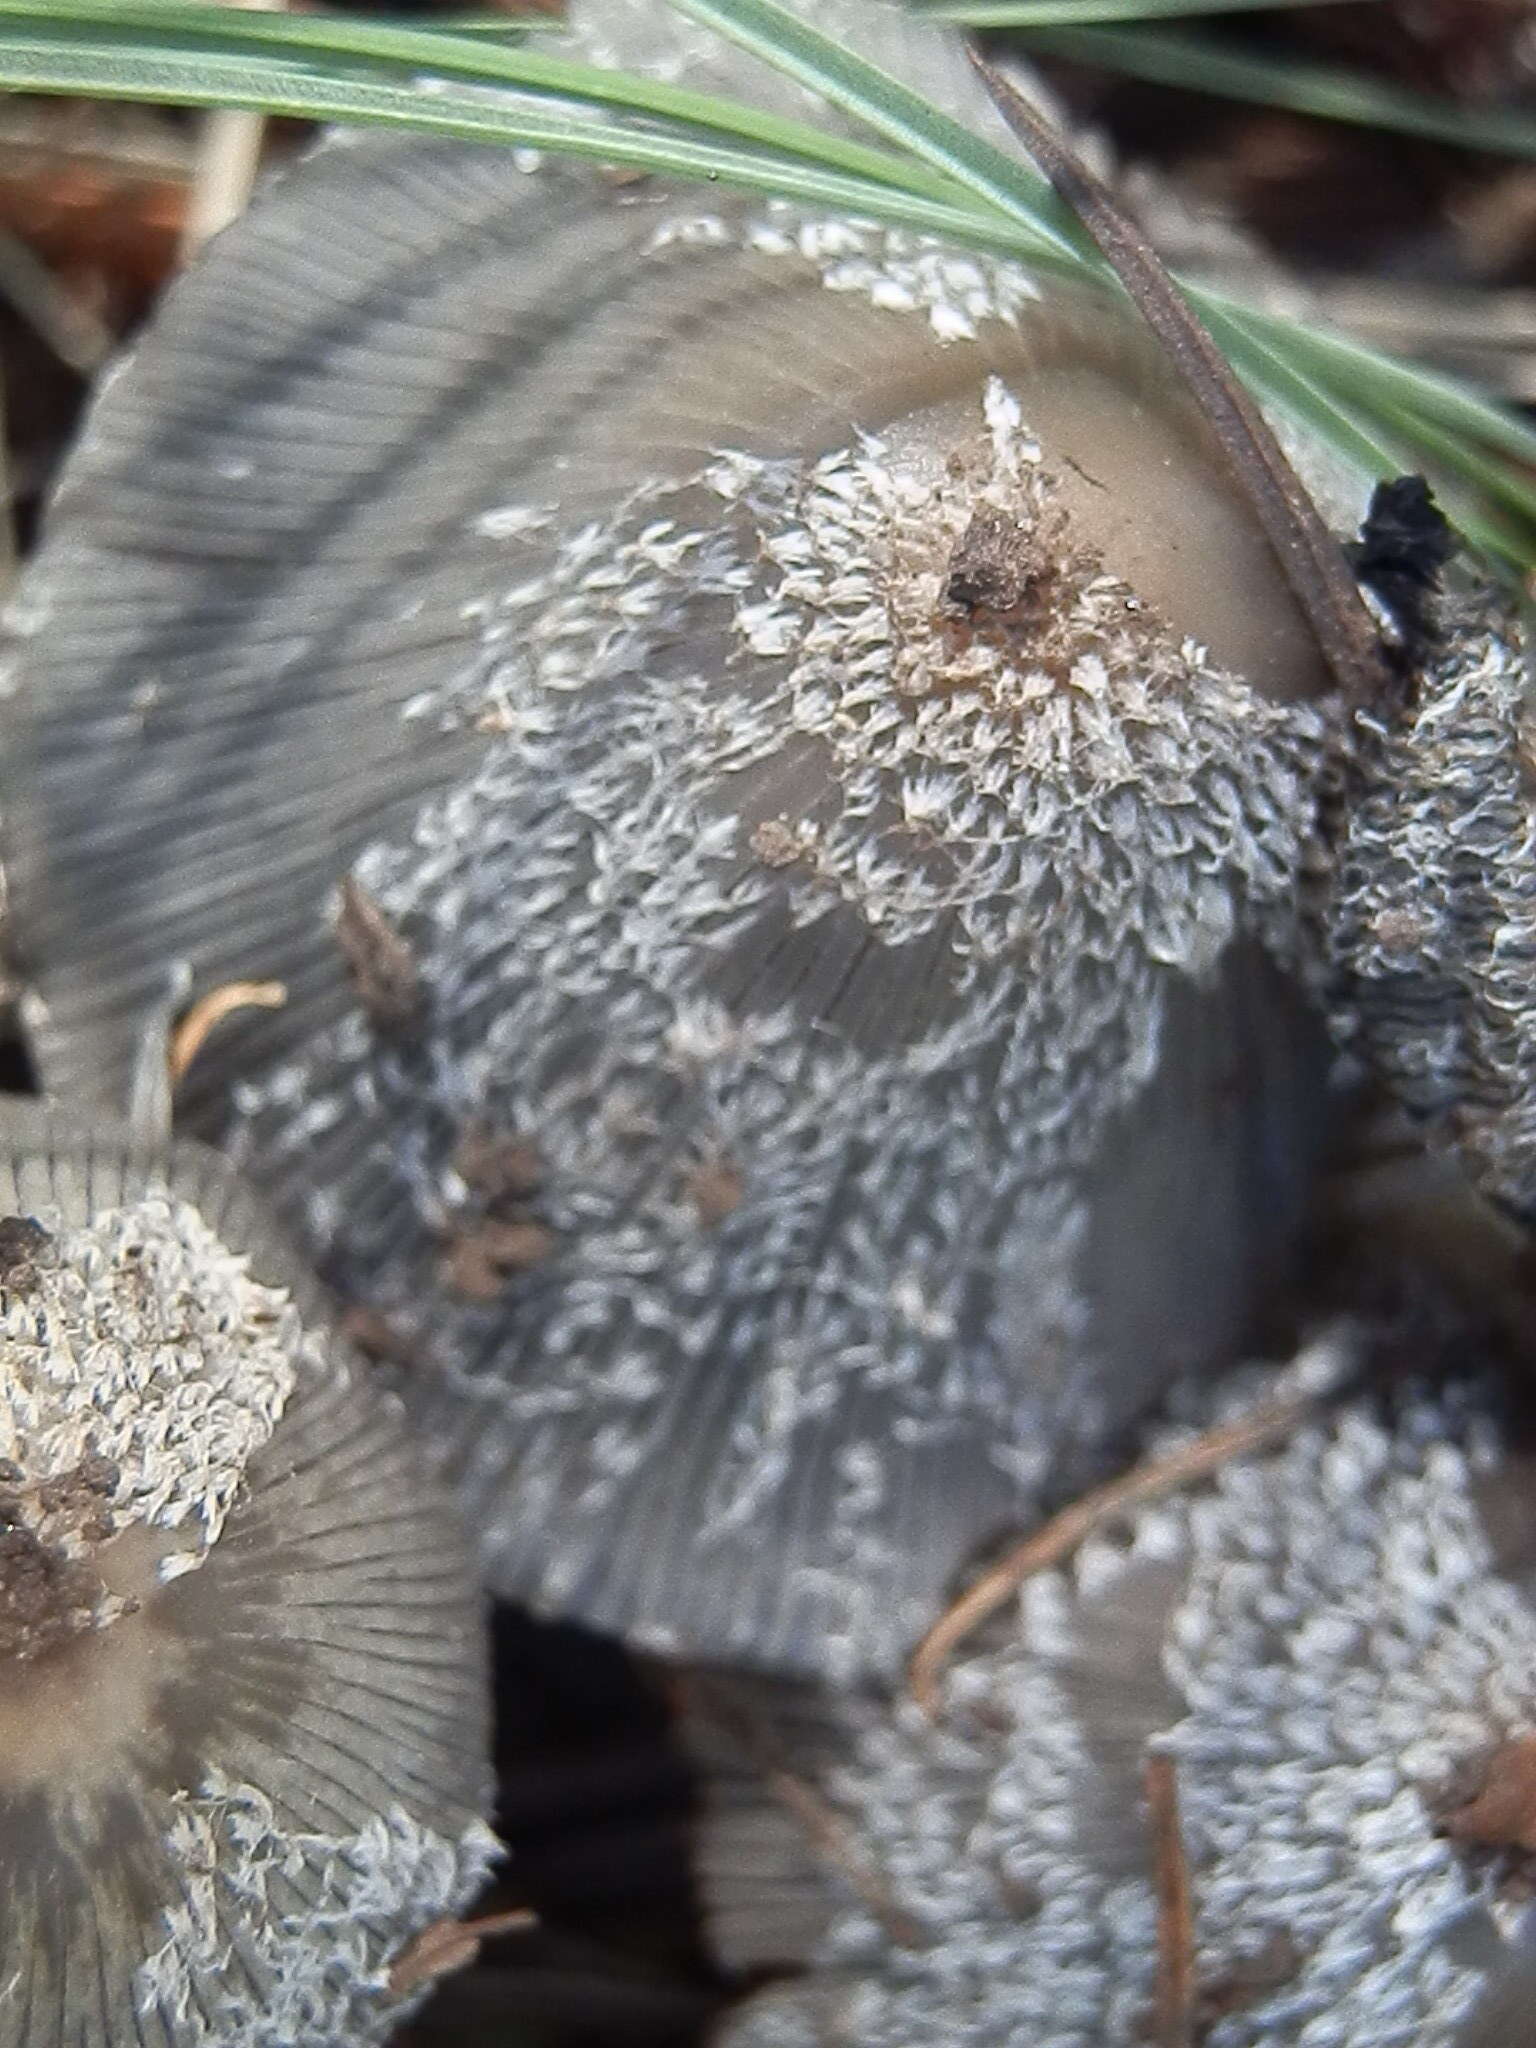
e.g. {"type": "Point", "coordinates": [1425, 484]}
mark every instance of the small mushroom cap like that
{"type": "Point", "coordinates": [1333, 1643]}
{"type": "Point", "coordinates": [243, 1715]}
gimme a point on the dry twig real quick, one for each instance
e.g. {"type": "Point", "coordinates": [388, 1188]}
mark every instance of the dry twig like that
{"type": "Point", "coordinates": [738, 1718]}
{"type": "Point", "coordinates": [1173, 2022]}
{"type": "Point", "coordinates": [1052, 1544]}
{"type": "Point", "coordinates": [834, 1842]}
{"type": "Point", "coordinates": [209, 1011]}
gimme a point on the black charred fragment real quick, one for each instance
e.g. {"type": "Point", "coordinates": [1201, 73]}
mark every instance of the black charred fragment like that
{"type": "Point", "coordinates": [24, 1247]}
{"type": "Point", "coordinates": [995, 568]}
{"type": "Point", "coordinates": [1405, 543]}
{"type": "Point", "coordinates": [46, 1598]}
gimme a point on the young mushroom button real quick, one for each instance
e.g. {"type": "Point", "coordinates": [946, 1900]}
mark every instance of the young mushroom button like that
{"type": "Point", "coordinates": [242, 1687]}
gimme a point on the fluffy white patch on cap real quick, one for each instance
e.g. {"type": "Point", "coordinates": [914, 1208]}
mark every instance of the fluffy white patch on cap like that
{"type": "Point", "coordinates": [144, 1340]}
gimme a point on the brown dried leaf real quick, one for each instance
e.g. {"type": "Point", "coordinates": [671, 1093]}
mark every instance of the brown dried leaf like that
{"type": "Point", "coordinates": [381, 964]}
{"type": "Point", "coordinates": [496, 1164]}
{"type": "Point", "coordinates": [444, 1946]}
{"type": "Point", "coordinates": [1503, 1814]}
{"type": "Point", "coordinates": [479, 1258]}
{"type": "Point", "coordinates": [715, 1187]}
{"type": "Point", "coordinates": [376, 1336]}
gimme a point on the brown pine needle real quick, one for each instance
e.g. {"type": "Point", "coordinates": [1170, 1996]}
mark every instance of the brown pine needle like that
{"type": "Point", "coordinates": [448, 1945]}
{"type": "Point", "coordinates": [1049, 1546]}
{"type": "Point", "coordinates": [209, 1011]}
{"type": "Point", "coordinates": [733, 1712]}
{"type": "Point", "coordinates": [1310, 558]}
{"type": "Point", "coordinates": [834, 1842]}
{"type": "Point", "coordinates": [1173, 2010]}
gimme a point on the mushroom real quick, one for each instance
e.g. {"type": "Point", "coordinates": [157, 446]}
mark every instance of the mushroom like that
{"type": "Point", "coordinates": [243, 1717]}
{"type": "Point", "coordinates": [1432, 912]}
{"type": "Point", "coordinates": [1335, 1645]}
{"type": "Point", "coordinates": [778, 774]}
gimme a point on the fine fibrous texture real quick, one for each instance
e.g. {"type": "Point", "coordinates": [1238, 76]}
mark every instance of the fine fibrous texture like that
{"type": "Point", "coordinates": [771, 1068]}
{"type": "Point", "coordinates": [777, 775]}
{"type": "Point", "coordinates": [242, 1695]}
{"type": "Point", "coordinates": [1433, 910]}
{"type": "Point", "coordinates": [1333, 1644]}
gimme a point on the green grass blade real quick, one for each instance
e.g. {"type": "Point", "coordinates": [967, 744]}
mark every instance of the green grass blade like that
{"type": "Point", "coordinates": [941, 180]}
{"type": "Point", "coordinates": [1198, 65]}
{"type": "Point", "coordinates": [331, 41]}
{"type": "Point", "coordinates": [1369, 375]}
{"type": "Point", "coordinates": [1070, 13]}
{"type": "Point", "coordinates": [1383, 438]}
{"type": "Point", "coordinates": [1510, 487]}
{"type": "Point", "coordinates": [1002, 182]}
{"type": "Point", "coordinates": [42, 59]}
{"type": "Point", "coordinates": [1277, 380]}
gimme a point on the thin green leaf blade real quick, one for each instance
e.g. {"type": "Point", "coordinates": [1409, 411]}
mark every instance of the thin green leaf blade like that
{"type": "Point", "coordinates": [44, 61]}
{"type": "Point", "coordinates": [1002, 182]}
{"type": "Point", "coordinates": [939, 181]}
{"type": "Point", "coordinates": [1197, 64]}
{"type": "Point", "coordinates": [333, 43]}
{"type": "Point", "coordinates": [1070, 13]}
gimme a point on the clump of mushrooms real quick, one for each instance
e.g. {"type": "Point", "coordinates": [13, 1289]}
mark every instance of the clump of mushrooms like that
{"type": "Point", "coordinates": [824, 767]}
{"type": "Point", "coordinates": [794, 807]}
{"type": "Point", "coordinates": [1332, 1646]}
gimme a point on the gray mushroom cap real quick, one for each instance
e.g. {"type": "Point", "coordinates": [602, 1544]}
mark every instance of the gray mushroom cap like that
{"type": "Point", "coordinates": [1332, 1642]}
{"type": "Point", "coordinates": [1432, 910]}
{"type": "Point", "coordinates": [825, 849]}
{"type": "Point", "coordinates": [243, 1708]}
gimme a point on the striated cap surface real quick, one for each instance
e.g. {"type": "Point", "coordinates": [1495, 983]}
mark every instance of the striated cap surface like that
{"type": "Point", "coordinates": [242, 1694]}
{"type": "Point", "coordinates": [839, 1027]}
{"type": "Point", "coordinates": [281, 532]}
{"type": "Point", "coordinates": [777, 775]}
{"type": "Point", "coordinates": [1333, 1643]}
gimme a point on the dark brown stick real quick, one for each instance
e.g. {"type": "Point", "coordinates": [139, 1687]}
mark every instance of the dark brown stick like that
{"type": "Point", "coordinates": [1311, 559]}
